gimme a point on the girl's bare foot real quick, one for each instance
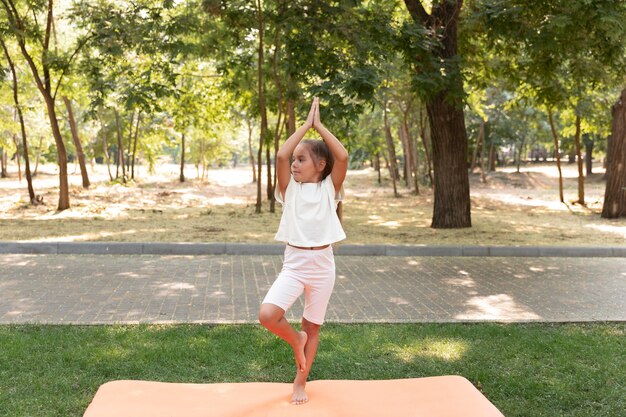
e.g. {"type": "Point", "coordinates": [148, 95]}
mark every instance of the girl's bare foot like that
{"type": "Point", "coordinates": [298, 351]}
{"type": "Point", "coordinates": [299, 394]}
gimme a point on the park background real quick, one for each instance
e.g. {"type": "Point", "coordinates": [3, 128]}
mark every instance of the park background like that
{"type": "Point", "coordinates": [480, 122]}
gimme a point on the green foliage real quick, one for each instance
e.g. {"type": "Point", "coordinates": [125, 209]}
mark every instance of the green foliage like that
{"type": "Point", "coordinates": [563, 55]}
{"type": "Point", "coordinates": [190, 66]}
{"type": "Point", "coordinates": [560, 49]}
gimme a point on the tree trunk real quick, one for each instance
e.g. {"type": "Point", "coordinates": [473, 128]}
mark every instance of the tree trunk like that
{"type": "Point", "coordinates": [412, 150]}
{"type": "Point", "coordinates": [251, 154]}
{"type": "Point", "coordinates": [445, 112]}
{"type": "Point", "coordinates": [268, 165]}
{"type": "Point", "coordinates": [452, 203]}
{"type": "Point", "coordinates": [479, 145]}
{"type": "Point", "coordinates": [520, 152]}
{"type": "Point", "coordinates": [182, 158]}
{"type": "Point", "coordinates": [120, 149]}
{"type": "Point", "coordinates": [29, 178]}
{"type": "Point", "coordinates": [391, 151]}
{"type": "Point", "coordinates": [483, 178]}
{"type": "Point", "coordinates": [377, 167]}
{"type": "Point", "coordinates": [579, 157]}
{"type": "Point", "coordinates": [18, 108]}
{"type": "Point", "coordinates": [273, 178]}
{"type": "Point", "coordinates": [105, 146]}
{"type": "Point", "coordinates": [589, 143]}
{"type": "Point", "coordinates": [493, 157]}
{"type": "Point", "coordinates": [405, 151]}
{"type": "Point", "coordinates": [425, 141]}
{"type": "Point", "coordinates": [262, 108]}
{"type": "Point", "coordinates": [64, 196]}
{"type": "Point", "coordinates": [3, 163]}
{"type": "Point", "coordinates": [615, 192]}
{"type": "Point", "coordinates": [557, 154]}
{"type": "Point", "coordinates": [38, 155]}
{"type": "Point", "coordinates": [79, 148]}
{"type": "Point", "coordinates": [280, 124]}
{"type": "Point", "coordinates": [130, 140]}
{"type": "Point", "coordinates": [17, 157]}
{"type": "Point", "coordinates": [134, 155]}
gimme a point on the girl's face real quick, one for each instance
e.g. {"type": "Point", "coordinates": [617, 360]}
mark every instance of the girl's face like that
{"type": "Point", "coordinates": [304, 167]}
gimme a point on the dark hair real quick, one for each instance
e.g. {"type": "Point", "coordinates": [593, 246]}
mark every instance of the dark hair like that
{"type": "Point", "coordinates": [319, 150]}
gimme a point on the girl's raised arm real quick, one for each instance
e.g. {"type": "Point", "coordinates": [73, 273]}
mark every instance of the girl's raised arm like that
{"type": "Point", "coordinates": [340, 155]}
{"type": "Point", "coordinates": [283, 157]}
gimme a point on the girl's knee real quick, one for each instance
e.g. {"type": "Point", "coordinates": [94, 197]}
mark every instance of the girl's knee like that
{"type": "Point", "coordinates": [310, 328]}
{"type": "Point", "coordinates": [270, 314]}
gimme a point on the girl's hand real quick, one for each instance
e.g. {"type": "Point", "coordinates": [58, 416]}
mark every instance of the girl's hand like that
{"type": "Point", "coordinates": [311, 117]}
{"type": "Point", "coordinates": [316, 118]}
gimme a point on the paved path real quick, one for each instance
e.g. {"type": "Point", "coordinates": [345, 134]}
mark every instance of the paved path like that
{"type": "Point", "coordinates": [100, 289]}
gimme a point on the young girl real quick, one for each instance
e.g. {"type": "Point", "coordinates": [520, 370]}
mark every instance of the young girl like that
{"type": "Point", "coordinates": [308, 189]}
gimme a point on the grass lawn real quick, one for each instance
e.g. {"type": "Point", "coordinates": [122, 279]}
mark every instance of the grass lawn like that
{"type": "Point", "coordinates": [524, 369]}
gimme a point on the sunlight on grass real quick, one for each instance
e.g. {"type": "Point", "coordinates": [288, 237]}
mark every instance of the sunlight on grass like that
{"type": "Point", "coordinates": [441, 349]}
{"type": "Point", "coordinates": [606, 228]}
{"type": "Point", "coordinates": [524, 205]}
{"type": "Point", "coordinates": [392, 224]}
{"type": "Point", "coordinates": [526, 370]}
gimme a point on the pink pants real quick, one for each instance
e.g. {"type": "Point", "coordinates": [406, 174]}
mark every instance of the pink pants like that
{"type": "Point", "coordinates": [308, 271]}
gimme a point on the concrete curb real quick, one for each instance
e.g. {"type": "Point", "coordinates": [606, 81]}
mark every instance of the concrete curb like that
{"type": "Point", "coordinates": [221, 248]}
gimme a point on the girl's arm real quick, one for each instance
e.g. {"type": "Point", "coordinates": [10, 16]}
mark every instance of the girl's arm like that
{"type": "Point", "coordinates": [340, 155]}
{"type": "Point", "coordinates": [283, 157]}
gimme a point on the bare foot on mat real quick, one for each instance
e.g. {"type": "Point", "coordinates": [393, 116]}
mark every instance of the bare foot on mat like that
{"type": "Point", "coordinates": [299, 395]}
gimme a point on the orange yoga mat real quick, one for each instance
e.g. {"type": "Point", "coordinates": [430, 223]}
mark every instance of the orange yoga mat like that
{"type": "Point", "coordinates": [440, 396]}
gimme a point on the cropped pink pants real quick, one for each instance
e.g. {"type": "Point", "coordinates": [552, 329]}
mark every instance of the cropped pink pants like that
{"type": "Point", "coordinates": [308, 271]}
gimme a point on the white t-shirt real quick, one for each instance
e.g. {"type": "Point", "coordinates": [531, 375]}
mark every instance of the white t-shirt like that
{"type": "Point", "coordinates": [310, 214]}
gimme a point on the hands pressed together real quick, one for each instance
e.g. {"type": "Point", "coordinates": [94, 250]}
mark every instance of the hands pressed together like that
{"type": "Point", "coordinates": [313, 119]}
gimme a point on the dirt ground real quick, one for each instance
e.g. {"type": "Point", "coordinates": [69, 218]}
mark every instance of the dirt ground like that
{"type": "Point", "coordinates": [509, 209]}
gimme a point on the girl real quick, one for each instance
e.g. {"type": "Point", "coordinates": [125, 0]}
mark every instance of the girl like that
{"type": "Point", "coordinates": [308, 189]}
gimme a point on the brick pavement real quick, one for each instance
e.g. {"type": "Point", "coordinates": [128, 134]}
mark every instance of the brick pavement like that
{"type": "Point", "coordinates": [103, 289]}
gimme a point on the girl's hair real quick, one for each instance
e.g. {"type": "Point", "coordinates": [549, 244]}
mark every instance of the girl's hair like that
{"type": "Point", "coordinates": [319, 150]}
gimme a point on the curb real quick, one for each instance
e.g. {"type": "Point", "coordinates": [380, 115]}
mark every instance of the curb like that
{"type": "Point", "coordinates": [155, 248]}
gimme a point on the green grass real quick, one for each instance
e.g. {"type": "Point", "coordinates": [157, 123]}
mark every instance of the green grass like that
{"type": "Point", "coordinates": [524, 369]}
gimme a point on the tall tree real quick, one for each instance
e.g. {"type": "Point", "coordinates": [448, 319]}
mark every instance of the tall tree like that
{"type": "Point", "coordinates": [263, 134]}
{"type": "Point", "coordinates": [18, 108]}
{"type": "Point", "coordinates": [77, 143]}
{"type": "Point", "coordinates": [50, 66]}
{"type": "Point", "coordinates": [438, 71]}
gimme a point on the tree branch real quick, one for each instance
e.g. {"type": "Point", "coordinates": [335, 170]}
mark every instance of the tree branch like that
{"type": "Point", "coordinates": [46, 42]}
{"type": "Point", "coordinates": [417, 11]}
{"type": "Point", "coordinates": [78, 48]}
{"type": "Point", "coordinates": [15, 20]}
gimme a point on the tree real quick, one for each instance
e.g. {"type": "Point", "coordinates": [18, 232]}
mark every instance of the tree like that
{"type": "Point", "coordinates": [439, 75]}
{"type": "Point", "coordinates": [79, 147]}
{"type": "Point", "coordinates": [615, 193]}
{"type": "Point", "coordinates": [18, 108]}
{"type": "Point", "coordinates": [554, 60]}
{"type": "Point", "coordinates": [24, 25]}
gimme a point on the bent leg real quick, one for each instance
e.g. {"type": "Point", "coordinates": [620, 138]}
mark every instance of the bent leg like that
{"type": "Point", "coordinates": [312, 331]}
{"type": "Point", "coordinates": [273, 319]}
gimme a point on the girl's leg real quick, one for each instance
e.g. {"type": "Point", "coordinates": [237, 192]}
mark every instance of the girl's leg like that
{"type": "Point", "coordinates": [273, 319]}
{"type": "Point", "coordinates": [313, 332]}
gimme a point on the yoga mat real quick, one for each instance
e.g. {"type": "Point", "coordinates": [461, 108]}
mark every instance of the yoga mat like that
{"type": "Point", "coordinates": [440, 396]}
